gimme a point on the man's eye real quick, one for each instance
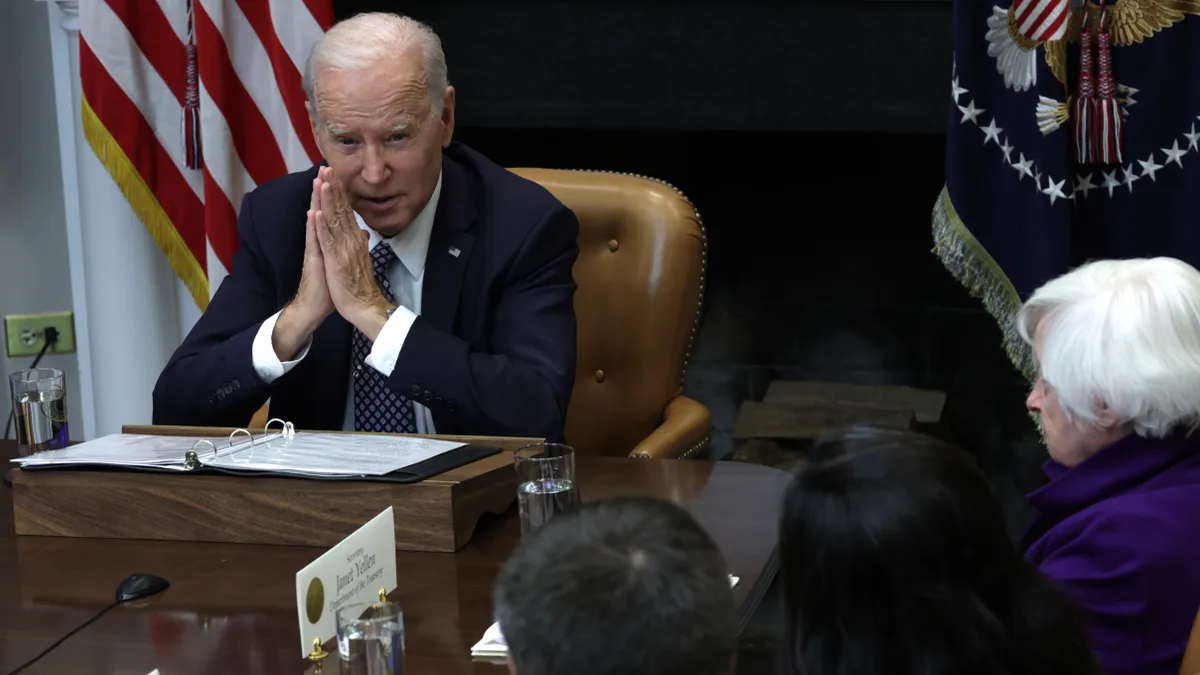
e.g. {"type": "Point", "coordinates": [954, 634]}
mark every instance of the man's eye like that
{"type": "Point", "coordinates": [397, 138]}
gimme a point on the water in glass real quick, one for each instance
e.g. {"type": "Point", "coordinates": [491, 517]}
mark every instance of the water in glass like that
{"type": "Point", "coordinates": [540, 500]}
{"type": "Point", "coordinates": [371, 644]}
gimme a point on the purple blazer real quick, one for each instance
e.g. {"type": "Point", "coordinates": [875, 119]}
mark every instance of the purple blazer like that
{"type": "Point", "coordinates": [1120, 533]}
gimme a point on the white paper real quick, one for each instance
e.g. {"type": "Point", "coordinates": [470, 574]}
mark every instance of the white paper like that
{"type": "Point", "coordinates": [492, 644]}
{"type": "Point", "coordinates": [304, 454]}
{"type": "Point", "coordinates": [333, 454]}
{"type": "Point", "coordinates": [352, 571]}
{"type": "Point", "coordinates": [132, 450]}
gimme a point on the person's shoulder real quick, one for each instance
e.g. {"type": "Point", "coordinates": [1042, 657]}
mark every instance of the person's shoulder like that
{"type": "Point", "coordinates": [502, 190]}
{"type": "Point", "coordinates": [1131, 527]}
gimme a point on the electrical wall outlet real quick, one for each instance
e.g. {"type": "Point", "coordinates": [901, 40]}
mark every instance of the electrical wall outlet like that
{"type": "Point", "coordinates": [24, 334]}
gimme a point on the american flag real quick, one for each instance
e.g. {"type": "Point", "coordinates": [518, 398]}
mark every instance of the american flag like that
{"type": "Point", "coordinates": [189, 105]}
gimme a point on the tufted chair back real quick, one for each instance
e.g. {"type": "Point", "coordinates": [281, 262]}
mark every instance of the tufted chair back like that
{"type": "Point", "coordinates": [640, 275]}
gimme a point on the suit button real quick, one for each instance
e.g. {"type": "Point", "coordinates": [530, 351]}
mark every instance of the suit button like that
{"type": "Point", "coordinates": [228, 389]}
{"type": "Point", "coordinates": [237, 384]}
{"type": "Point", "coordinates": [428, 395]}
{"type": "Point", "coordinates": [212, 398]}
{"type": "Point", "coordinates": [220, 394]}
{"type": "Point", "coordinates": [450, 407]}
{"type": "Point", "coordinates": [415, 389]}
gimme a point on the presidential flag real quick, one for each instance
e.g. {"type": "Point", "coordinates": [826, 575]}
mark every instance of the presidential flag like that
{"type": "Point", "coordinates": [189, 104]}
{"type": "Point", "coordinates": [1074, 134]}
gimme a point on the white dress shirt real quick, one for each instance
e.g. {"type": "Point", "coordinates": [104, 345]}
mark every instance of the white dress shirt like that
{"type": "Point", "coordinates": [406, 278]}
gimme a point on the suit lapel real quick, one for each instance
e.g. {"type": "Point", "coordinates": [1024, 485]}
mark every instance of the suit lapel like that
{"type": "Point", "coordinates": [450, 246]}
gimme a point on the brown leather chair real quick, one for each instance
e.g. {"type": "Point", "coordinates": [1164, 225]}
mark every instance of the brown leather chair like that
{"type": "Point", "coordinates": [641, 266]}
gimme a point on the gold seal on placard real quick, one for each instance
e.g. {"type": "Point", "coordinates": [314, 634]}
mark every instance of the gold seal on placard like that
{"type": "Point", "coordinates": [315, 603]}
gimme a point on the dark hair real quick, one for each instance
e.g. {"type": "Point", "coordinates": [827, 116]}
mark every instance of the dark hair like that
{"type": "Point", "coordinates": [623, 585]}
{"type": "Point", "coordinates": [895, 558]}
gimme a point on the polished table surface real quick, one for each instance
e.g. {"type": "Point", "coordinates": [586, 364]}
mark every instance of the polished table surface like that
{"type": "Point", "coordinates": [232, 608]}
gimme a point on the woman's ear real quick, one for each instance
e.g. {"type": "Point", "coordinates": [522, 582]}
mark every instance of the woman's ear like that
{"type": "Point", "coordinates": [1108, 418]}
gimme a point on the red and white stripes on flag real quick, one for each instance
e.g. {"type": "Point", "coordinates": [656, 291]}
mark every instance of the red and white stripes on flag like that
{"type": "Point", "coordinates": [1040, 20]}
{"type": "Point", "coordinates": [141, 111]}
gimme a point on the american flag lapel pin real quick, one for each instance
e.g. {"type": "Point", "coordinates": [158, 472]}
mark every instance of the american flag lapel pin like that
{"type": "Point", "coordinates": [454, 251]}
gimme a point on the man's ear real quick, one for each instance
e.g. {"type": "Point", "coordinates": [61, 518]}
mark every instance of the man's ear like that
{"type": "Point", "coordinates": [313, 123]}
{"type": "Point", "coordinates": [447, 116]}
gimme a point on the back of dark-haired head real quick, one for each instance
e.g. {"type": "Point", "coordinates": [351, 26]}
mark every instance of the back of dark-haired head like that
{"type": "Point", "coordinates": [624, 585]}
{"type": "Point", "coordinates": [895, 558]}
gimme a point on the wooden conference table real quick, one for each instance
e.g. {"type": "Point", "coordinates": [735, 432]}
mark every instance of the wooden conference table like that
{"type": "Point", "coordinates": [231, 608]}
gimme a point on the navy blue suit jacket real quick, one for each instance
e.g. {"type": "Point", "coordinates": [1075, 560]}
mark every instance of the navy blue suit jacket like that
{"type": "Point", "coordinates": [492, 353]}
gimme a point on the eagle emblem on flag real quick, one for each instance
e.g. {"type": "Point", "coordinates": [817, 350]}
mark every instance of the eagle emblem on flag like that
{"type": "Point", "coordinates": [1099, 106]}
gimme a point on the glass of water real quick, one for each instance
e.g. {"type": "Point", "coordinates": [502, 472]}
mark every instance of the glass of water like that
{"type": "Point", "coordinates": [370, 638]}
{"type": "Point", "coordinates": [39, 397]}
{"type": "Point", "coordinates": [545, 483]}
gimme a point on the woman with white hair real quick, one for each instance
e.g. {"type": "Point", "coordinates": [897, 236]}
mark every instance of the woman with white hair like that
{"type": "Point", "coordinates": [1118, 397]}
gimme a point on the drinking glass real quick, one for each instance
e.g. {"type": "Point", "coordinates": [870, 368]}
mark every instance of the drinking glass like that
{"type": "Point", "coordinates": [371, 638]}
{"type": "Point", "coordinates": [545, 483]}
{"type": "Point", "coordinates": [39, 397]}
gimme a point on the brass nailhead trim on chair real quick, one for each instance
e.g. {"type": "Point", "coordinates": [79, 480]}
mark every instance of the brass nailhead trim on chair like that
{"type": "Point", "coordinates": [613, 245]}
{"type": "Point", "coordinates": [688, 454]}
{"type": "Point", "coordinates": [695, 449]}
{"type": "Point", "coordinates": [599, 375]}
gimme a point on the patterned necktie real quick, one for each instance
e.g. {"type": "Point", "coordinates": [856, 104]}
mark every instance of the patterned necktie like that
{"type": "Point", "coordinates": [377, 408]}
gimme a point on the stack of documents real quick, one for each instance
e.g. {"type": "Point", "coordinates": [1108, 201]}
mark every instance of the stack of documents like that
{"type": "Point", "coordinates": [492, 645]}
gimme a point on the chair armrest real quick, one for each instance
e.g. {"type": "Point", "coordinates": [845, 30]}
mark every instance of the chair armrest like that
{"type": "Point", "coordinates": [682, 434]}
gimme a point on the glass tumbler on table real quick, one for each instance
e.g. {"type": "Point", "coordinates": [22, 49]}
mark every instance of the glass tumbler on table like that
{"type": "Point", "coordinates": [370, 638]}
{"type": "Point", "coordinates": [545, 483]}
{"type": "Point", "coordinates": [39, 398]}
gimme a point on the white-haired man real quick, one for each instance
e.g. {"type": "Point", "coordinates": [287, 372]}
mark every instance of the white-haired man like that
{"type": "Point", "coordinates": [1118, 395]}
{"type": "Point", "coordinates": [406, 284]}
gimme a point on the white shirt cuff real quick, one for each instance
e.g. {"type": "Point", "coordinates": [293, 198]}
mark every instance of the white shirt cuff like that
{"type": "Point", "coordinates": [390, 340]}
{"type": "Point", "coordinates": [266, 362]}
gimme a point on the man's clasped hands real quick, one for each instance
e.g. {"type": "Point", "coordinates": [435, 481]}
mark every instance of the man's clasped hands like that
{"type": "Point", "coordinates": [337, 275]}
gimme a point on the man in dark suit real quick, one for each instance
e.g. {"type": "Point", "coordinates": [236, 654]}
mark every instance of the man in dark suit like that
{"type": "Point", "coordinates": [427, 291]}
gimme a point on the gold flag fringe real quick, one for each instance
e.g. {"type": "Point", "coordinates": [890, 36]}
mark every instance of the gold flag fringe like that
{"type": "Point", "coordinates": [145, 205]}
{"type": "Point", "coordinates": [977, 271]}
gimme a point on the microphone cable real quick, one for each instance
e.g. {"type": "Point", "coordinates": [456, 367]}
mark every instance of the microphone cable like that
{"type": "Point", "coordinates": [63, 639]}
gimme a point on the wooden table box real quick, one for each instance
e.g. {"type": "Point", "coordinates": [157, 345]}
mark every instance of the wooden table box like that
{"type": "Point", "coordinates": [437, 514]}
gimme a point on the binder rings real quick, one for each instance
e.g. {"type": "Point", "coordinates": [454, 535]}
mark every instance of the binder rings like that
{"type": "Point", "coordinates": [282, 453]}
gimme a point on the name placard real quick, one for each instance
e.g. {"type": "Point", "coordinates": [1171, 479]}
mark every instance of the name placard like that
{"type": "Point", "coordinates": [352, 571]}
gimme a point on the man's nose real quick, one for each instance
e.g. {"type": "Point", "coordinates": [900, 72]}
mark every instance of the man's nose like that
{"type": "Point", "coordinates": [374, 169]}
